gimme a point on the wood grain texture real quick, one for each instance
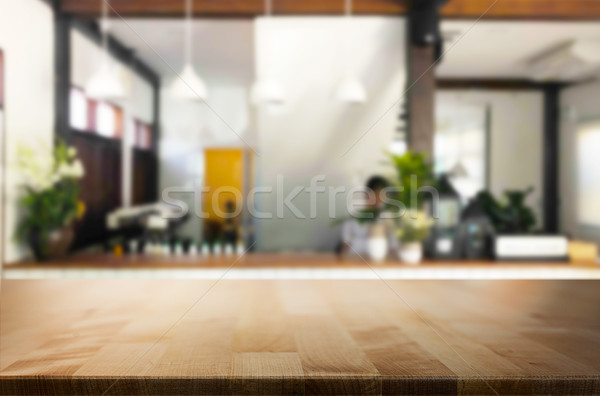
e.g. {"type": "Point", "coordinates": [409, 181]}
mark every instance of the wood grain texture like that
{"type": "Point", "coordinates": [489, 9]}
{"type": "Point", "coordinates": [270, 337]}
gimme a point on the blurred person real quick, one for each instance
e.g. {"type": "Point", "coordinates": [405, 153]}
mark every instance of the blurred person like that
{"type": "Point", "coordinates": [356, 232]}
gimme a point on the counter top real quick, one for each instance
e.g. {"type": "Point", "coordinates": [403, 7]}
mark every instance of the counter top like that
{"type": "Point", "coordinates": [210, 337]}
{"type": "Point", "coordinates": [288, 266]}
{"type": "Point", "coordinates": [249, 260]}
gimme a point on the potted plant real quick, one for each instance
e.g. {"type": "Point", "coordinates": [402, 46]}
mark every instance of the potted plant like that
{"type": "Point", "coordinates": [50, 181]}
{"type": "Point", "coordinates": [511, 216]}
{"type": "Point", "coordinates": [413, 229]}
{"type": "Point", "coordinates": [413, 172]}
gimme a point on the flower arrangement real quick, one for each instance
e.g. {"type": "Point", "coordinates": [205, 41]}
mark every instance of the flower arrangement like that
{"type": "Point", "coordinates": [51, 195]}
{"type": "Point", "coordinates": [414, 226]}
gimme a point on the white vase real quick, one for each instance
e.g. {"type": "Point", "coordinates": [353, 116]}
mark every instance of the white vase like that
{"type": "Point", "coordinates": [377, 244]}
{"type": "Point", "coordinates": [377, 248]}
{"type": "Point", "coordinates": [411, 253]}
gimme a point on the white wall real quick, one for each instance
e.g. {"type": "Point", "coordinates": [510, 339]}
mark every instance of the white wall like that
{"type": "Point", "coordinates": [310, 134]}
{"type": "Point", "coordinates": [578, 104]}
{"type": "Point", "coordinates": [516, 139]}
{"type": "Point", "coordinates": [27, 39]}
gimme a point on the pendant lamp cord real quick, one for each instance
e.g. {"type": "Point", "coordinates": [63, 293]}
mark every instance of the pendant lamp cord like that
{"type": "Point", "coordinates": [104, 26]}
{"type": "Point", "coordinates": [188, 31]}
{"type": "Point", "coordinates": [348, 29]}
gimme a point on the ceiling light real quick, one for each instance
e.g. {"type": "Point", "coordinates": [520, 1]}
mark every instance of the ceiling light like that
{"type": "Point", "coordinates": [267, 91]}
{"type": "Point", "coordinates": [188, 85]}
{"type": "Point", "coordinates": [458, 170]}
{"type": "Point", "coordinates": [350, 90]}
{"type": "Point", "coordinates": [105, 82]}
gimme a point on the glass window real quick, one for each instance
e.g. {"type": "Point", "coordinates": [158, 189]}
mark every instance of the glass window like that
{"type": "Point", "coordinates": [105, 120]}
{"type": "Point", "coordinates": [78, 111]}
{"type": "Point", "coordinates": [88, 115]}
{"type": "Point", "coordinates": [143, 135]}
{"type": "Point", "coordinates": [588, 182]}
{"type": "Point", "coordinates": [460, 146]}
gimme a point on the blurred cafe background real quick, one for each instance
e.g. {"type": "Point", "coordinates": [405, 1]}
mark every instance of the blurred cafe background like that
{"type": "Point", "coordinates": [190, 137]}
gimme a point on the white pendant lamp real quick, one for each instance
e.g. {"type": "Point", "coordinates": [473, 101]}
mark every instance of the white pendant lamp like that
{"type": "Point", "coordinates": [105, 82]}
{"type": "Point", "coordinates": [188, 85]}
{"type": "Point", "coordinates": [266, 90]}
{"type": "Point", "coordinates": [350, 90]}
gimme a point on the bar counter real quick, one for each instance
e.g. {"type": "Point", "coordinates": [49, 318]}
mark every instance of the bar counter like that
{"type": "Point", "coordinates": [289, 266]}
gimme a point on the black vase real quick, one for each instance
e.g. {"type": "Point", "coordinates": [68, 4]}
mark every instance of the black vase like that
{"type": "Point", "coordinates": [51, 245]}
{"type": "Point", "coordinates": [38, 243]}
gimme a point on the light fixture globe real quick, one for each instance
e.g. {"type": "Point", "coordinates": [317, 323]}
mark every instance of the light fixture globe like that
{"type": "Point", "coordinates": [267, 92]}
{"type": "Point", "coordinates": [105, 84]}
{"type": "Point", "coordinates": [351, 91]}
{"type": "Point", "coordinates": [188, 85]}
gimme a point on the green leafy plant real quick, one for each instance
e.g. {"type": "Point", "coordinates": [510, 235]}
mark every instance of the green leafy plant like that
{"type": "Point", "coordinates": [510, 216]}
{"type": "Point", "coordinates": [50, 190]}
{"type": "Point", "coordinates": [413, 172]}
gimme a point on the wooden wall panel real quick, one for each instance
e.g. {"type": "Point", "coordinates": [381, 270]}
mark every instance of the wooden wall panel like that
{"type": "Point", "coordinates": [100, 187]}
{"type": "Point", "coordinates": [145, 177]}
{"type": "Point", "coordinates": [502, 9]}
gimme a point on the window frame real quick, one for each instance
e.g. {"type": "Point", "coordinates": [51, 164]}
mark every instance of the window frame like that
{"type": "Point", "coordinates": [485, 150]}
{"type": "Point", "coordinates": [580, 128]}
{"type": "Point", "coordinates": [92, 117]}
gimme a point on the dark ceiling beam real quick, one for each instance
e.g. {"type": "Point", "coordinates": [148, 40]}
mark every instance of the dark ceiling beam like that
{"type": "Point", "coordinates": [233, 8]}
{"type": "Point", "coordinates": [563, 10]}
{"type": "Point", "coordinates": [492, 84]}
{"type": "Point", "coordinates": [455, 9]}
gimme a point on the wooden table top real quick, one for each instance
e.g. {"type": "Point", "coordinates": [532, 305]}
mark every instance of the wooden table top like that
{"type": "Point", "coordinates": [206, 337]}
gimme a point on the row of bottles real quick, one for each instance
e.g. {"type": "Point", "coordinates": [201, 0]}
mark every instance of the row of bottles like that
{"type": "Point", "coordinates": [179, 248]}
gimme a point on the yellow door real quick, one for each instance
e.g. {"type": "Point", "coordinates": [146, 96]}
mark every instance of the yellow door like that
{"type": "Point", "coordinates": [224, 178]}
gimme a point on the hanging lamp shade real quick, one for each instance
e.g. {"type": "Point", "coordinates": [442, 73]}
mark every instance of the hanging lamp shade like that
{"type": "Point", "coordinates": [458, 170]}
{"type": "Point", "coordinates": [267, 92]}
{"type": "Point", "coordinates": [188, 85]}
{"type": "Point", "coordinates": [105, 84]}
{"type": "Point", "coordinates": [351, 91]}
